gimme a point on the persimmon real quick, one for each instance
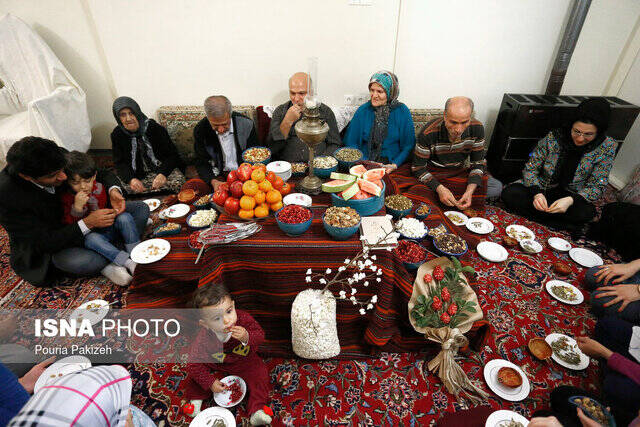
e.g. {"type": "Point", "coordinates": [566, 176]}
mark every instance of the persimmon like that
{"type": "Point", "coordinates": [260, 197]}
{"type": "Point", "coordinates": [247, 203]}
{"type": "Point", "coordinates": [278, 183]}
{"type": "Point", "coordinates": [261, 211]}
{"type": "Point", "coordinates": [286, 189]}
{"type": "Point", "coordinates": [276, 206]}
{"type": "Point", "coordinates": [271, 176]}
{"type": "Point", "coordinates": [273, 196]}
{"type": "Point", "coordinates": [245, 213]}
{"type": "Point", "coordinates": [257, 175]}
{"type": "Point", "coordinates": [265, 186]}
{"type": "Point", "coordinates": [250, 188]}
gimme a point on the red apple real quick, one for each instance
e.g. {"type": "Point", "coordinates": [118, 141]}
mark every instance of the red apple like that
{"type": "Point", "coordinates": [219, 197]}
{"type": "Point", "coordinates": [236, 189]}
{"type": "Point", "coordinates": [232, 206]}
{"type": "Point", "coordinates": [224, 187]}
{"type": "Point", "coordinates": [232, 177]}
{"type": "Point", "coordinates": [244, 172]}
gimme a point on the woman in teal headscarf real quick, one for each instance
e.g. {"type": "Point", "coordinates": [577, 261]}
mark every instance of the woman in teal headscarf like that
{"type": "Point", "coordinates": [382, 128]}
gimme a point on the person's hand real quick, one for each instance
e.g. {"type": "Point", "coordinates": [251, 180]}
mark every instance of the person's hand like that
{"type": "Point", "coordinates": [100, 218]}
{"type": "Point", "coordinates": [446, 196]}
{"type": "Point", "coordinates": [159, 181]}
{"type": "Point", "coordinates": [129, 421]}
{"type": "Point", "coordinates": [465, 201]}
{"type": "Point", "coordinates": [136, 185]}
{"type": "Point", "coordinates": [28, 380]}
{"type": "Point", "coordinates": [621, 271]}
{"type": "Point", "coordinates": [81, 198]}
{"type": "Point", "coordinates": [540, 202]}
{"type": "Point", "coordinates": [389, 168]}
{"type": "Point", "coordinates": [293, 113]}
{"type": "Point", "coordinates": [586, 421]}
{"type": "Point", "coordinates": [218, 387]}
{"type": "Point", "coordinates": [215, 184]}
{"type": "Point", "coordinates": [625, 293]}
{"type": "Point", "coordinates": [561, 205]}
{"type": "Point", "coordinates": [117, 201]}
{"type": "Point", "coordinates": [544, 422]}
{"type": "Point", "coordinates": [593, 348]}
{"type": "Point", "coordinates": [239, 333]}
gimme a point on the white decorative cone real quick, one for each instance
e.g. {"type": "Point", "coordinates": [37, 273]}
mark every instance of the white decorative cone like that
{"type": "Point", "coordinates": [314, 333]}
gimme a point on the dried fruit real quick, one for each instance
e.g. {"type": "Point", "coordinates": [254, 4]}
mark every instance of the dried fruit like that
{"type": "Point", "coordinates": [445, 318]}
{"type": "Point", "coordinates": [438, 273]}
{"type": "Point", "coordinates": [453, 309]}
{"type": "Point", "coordinates": [445, 294]}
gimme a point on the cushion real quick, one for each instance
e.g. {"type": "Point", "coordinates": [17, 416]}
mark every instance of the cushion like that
{"type": "Point", "coordinates": [631, 192]}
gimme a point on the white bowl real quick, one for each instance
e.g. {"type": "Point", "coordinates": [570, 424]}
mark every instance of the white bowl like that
{"type": "Point", "coordinates": [297, 199]}
{"type": "Point", "coordinates": [280, 168]}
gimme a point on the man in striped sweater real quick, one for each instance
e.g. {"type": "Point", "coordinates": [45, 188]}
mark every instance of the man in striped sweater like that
{"type": "Point", "coordinates": [442, 148]}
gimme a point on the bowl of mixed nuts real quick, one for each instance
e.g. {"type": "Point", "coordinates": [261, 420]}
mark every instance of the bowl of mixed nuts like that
{"type": "Point", "coordinates": [422, 211]}
{"type": "Point", "coordinates": [324, 165]}
{"type": "Point", "coordinates": [255, 155]}
{"type": "Point", "coordinates": [347, 157]}
{"type": "Point", "coordinates": [398, 205]}
{"type": "Point", "coordinates": [450, 244]}
{"type": "Point", "coordinates": [341, 222]}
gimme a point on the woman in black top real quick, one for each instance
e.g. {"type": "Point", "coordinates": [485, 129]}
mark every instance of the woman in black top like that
{"type": "Point", "coordinates": [146, 159]}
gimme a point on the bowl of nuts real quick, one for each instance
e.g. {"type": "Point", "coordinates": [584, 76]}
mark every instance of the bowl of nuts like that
{"type": "Point", "coordinates": [398, 205]}
{"type": "Point", "coordinates": [422, 211]}
{"type": "Point", "coordinates": [341, 222]}
{"type": "Point", "coordinates": [167, 229]}
{"type": "Point", "coordinates": [347, 157]}
{"type": "Point", "coordinates": [203, 202]}
{"type": "Point", "coordinates": [324, 165]}
{"type": "Point", "coordinates": [450, 244]}
{"type": "Point", "coordinates": [255, 155]}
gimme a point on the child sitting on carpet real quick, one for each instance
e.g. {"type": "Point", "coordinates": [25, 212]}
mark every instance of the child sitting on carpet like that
{"type": "Point", "coordinates": [229, 339]}
{"type": "Point", "coordinates": [84, 195]}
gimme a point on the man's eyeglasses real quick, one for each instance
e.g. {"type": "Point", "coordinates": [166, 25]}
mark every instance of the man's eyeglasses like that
{"type": "Point", "coordinates": [585, 135]}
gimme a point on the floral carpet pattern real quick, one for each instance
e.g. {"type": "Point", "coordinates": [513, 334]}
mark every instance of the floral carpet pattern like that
{"type": "Point", "coordinates": [389, 389]}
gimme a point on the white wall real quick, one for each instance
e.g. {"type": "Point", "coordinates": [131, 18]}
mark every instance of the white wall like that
{"type": "Point", "coordinates": [166, 52]}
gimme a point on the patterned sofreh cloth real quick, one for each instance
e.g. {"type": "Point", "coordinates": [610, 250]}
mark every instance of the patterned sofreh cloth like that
{"type": "Point", "coordinates": [94, 397]}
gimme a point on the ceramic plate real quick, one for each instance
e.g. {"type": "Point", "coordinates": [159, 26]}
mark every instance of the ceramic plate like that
{"type": "Point", "coordinates": [520, 232]}
{"type": "Point", "coordinates": [224, 399]}
{"type": "Point", "coordinates": [297, 199]}
{"type": "Point", "coordinates": [207, 417]}
{"type": "Point", "coordinates": [585, 257]}
{"type": "Point", "coordinates": [530, 246]}
{"type": "Point", "coordinates": [559, 244]}
{"type": "Point", "coordinates": [501, 418]}
{"type": "Point", "coordinates": [492, 251]}
{"type": "Point", "coordinates": [150, 251]}
{"type": "Point", "coordinates": [153, 204]}
{"type": "Point", "coordinates": [94, 310]}
{"type": "Point", "coordinates": [176, 211]}
{"type": "Point", "coordinates": [584, 359]}
{"type": "Point", "coordinates": [458, 218]}
{"type": "Point", "coordinates": [62, 367]}
{"type": "Point", "coordinates": [480, 225]}
{"type": "Point", "coordinates": [553, 283]}
{"type": "Point", "coordinates": [514, 394]}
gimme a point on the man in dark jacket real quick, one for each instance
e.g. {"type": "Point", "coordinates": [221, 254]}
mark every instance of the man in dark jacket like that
{"type": "Point", "coordinates": [31, 213]}
{"type": "Point", "coordinates": [219, 140]}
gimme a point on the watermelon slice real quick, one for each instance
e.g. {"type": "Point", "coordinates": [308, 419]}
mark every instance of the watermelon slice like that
{"type": "Point", "coordinates": [360, 195]}
{"type": "Point", "coordinates": [351, 191]}
{"type": "Point", "coordinates": [336, 186]}
{"type": "Point", "coordinates": [342, 176]}
{"type": "Point", "coordinates": [369, 187]}
{"type": "Point", "coordinates": [358, 170]}
{"type": "Point", "coordinates": [378, 183]}
{"type": "Point", "coordinates": [374, 174]}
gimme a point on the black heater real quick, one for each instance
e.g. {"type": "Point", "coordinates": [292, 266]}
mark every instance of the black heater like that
{"type": "Point", "coordinates": [524, 119]}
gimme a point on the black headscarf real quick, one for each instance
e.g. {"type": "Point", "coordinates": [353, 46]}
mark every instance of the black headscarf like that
{"type": "Point", "coordinates": [149, 159]}
{"type": "Point", "coordinates": [593, 110]}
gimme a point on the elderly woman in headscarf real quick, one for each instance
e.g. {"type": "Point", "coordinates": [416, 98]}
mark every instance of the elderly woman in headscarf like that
{"type": "Point", "coordinates": [567, 172]}
{"type": "Point", "coordinates": [382, 128]}
{"type": "Point", "coordinates": [145, 157]}
{"type": "Point", "coordinates": [97, 396]}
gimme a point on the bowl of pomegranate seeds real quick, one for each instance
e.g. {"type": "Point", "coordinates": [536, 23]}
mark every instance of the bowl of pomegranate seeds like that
{"type": "Point", "coordinates": [294, 220]}
{"type": "Point", "coordinates": [410, 253]}
{"type": "Point", "coordinates": [235, 392]}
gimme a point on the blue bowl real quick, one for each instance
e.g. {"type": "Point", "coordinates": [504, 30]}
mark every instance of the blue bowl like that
{"type": "Point", "coordinates": [343, 165]}
{"type": "Point", "coordinates": [157, 233]}
{"type": "Point", "coordinates": [340, 233]}
{"type": "Point", "coordinates": [450, 253]}
{"type": "Point", "coordinates": [397, 214]}
{"type": "Point", "coordinates": [423, 216]}
{"type": "Point", "coordinates": [415, 265]}
{"type": "Point", "coordinates": [324, 172]}
{"type": "Point", "coordinates": [415, 239]}
{"type": "Point", "coordinates": [364, 207]}
{"type": "Point", "coordinates": [265, 161]}
{"type": "Point", "coordinates": [206, 205]}
{"type": "Point", "coordinates": [606, 413]}
{"type": "Point", "coordinates": [294, 230]}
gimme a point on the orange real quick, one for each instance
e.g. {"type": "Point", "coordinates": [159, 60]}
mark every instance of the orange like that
{"type": "Point", "coordinates": [260, 166]}
{"type": "Point", "coordinates": [278, 183]}
{"type": "Point", "coordinates": [245, 163]}
{"type": "Point", "coordinates": [257, 175]}
{"type": "Point", "coordinates": [245, 213]}
{"type": "Point", "coordinates": [271, 176]}
{"type": "Point", "coordinates": [260, 197]}
{"type": "Point", "coordinates": [250, 188]}
{"type": "Point", "coordinates": [286, 189]}
{"type": "Point", "coordinates": [275, 206]}
{"type": "Point", "coordinates": [273, 196]}
{"type": "Point", "coordinates": [265, 186]}
{"type": "Point", "coordinates": [247, 203]}
{"type": "Point", "coordinates": [261, 211]}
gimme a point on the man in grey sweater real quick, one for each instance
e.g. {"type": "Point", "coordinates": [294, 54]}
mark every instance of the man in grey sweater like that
{"type": "Point", "coordinates": [282, 138]}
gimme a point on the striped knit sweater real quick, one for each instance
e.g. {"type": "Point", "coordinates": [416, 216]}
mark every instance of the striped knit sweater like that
{"type": "Point", "coordinates": [433, 149]}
